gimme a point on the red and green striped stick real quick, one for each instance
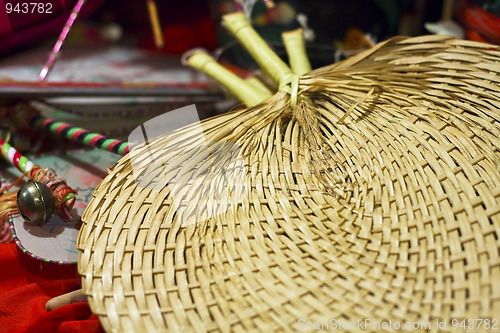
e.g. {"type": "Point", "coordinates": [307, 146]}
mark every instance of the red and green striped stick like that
{"type": "Point", "coordinates": [63, 194]}
{"type": "Point", "coordinates": [82, 135]}
{"type": "Point", "coordinates": [13, 156]}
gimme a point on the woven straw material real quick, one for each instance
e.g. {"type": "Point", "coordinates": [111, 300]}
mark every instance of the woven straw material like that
{"type": "Point", "coordinates": [377, 197]}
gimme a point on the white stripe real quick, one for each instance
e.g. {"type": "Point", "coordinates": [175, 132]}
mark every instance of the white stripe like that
{"type": "Point", "coordinates": [10, 154]}
{"type": "Point", "coordinates": [29, 165]}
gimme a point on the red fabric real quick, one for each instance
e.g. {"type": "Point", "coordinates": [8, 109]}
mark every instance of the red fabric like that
{"type": "Point", "coordinates": [485, 25]}
{"type": "Point", "coordinates": [27, 284]}
{"type": "Point", "coordinates": [183, 36]}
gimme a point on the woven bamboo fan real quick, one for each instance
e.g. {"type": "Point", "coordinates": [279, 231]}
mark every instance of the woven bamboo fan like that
{"type": "Point", "coordinates": [368, 189]}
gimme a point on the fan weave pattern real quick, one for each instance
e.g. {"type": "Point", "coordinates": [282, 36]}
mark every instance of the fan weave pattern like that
{"type": "Point", "coordinates": [378, 197]}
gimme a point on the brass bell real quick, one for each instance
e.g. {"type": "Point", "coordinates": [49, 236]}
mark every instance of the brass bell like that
{"type": "Point", "coordinates": [35, 202]}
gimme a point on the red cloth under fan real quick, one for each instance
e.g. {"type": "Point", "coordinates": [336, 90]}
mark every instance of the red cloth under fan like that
{"type": "Point", "coordinates": [26, 284]}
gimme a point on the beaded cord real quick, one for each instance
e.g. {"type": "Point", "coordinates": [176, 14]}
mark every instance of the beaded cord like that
{"type": "Point", "coordinates": [64, 195]}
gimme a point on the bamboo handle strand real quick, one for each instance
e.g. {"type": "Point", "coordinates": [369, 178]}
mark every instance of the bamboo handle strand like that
{"type": "Point", "coordinates": [258, 84]}
{"type": "Point", "coordinates": [65, 299]}
{"type": "Point", "coordinates": [296, 50]}
{"type": "Point", "coordinates": [267, 59]}
{"type": "Point", "coordinates": [242, 90]}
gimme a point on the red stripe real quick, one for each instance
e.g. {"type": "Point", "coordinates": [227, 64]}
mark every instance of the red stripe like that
{"type": "Point", "coordinates": [17, 156]}
{"type": "Point", "coordinates": [112, 145]}
{"type": "Point", "coordinates": [94, 140]}
{"type": "Point", "coordinates": [46, 121]}
{"type": "Point", "coordinates": [125, 151]}
{"type": "Point", "coordinates": [61, 127]}
{"type": "Point", "coordinates": [77, 134]}
{"type": "Point", "coordinates": [33, 172]}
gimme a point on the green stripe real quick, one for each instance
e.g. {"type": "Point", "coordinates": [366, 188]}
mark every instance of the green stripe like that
{"type": "Point", "coordinates": [89, 137]}
{"type": "Point", "coordinates": [22, 163]}
{"type": "Point", "coordinates": [53, 127]}
{"type": "Point", "coordinates": [122, 147]}
{"type": "Point", "coordinates": [68, 196]}
{"type": "Point", "coordinates": [5, 148]}
{"type": "Point", "coordinates": [72, 131]}
{"type": "Point", "coordinates": [106, 143]}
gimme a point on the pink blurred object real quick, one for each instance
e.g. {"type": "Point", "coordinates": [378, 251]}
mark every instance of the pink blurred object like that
{"type": "Point", "coordinates": [18, 29]}
{"type": "Point", "coordinates": [57, 47]}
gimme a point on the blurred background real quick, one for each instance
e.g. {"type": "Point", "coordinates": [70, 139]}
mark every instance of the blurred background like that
{"type": "Point", "coordinates": [111, 45]}
{"type": "Point", "coordinates": [195, 23]}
